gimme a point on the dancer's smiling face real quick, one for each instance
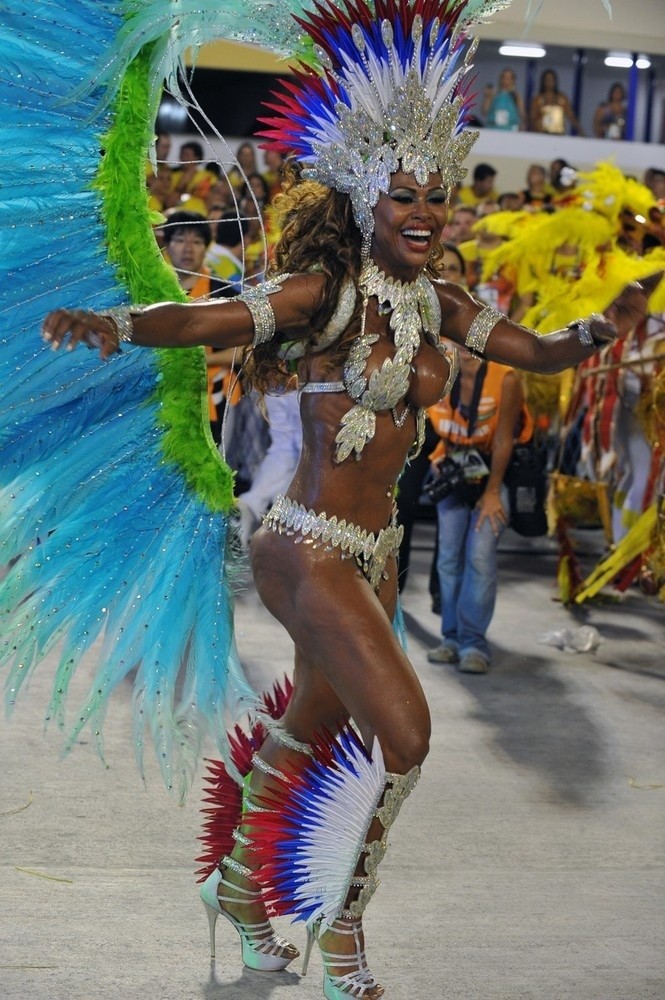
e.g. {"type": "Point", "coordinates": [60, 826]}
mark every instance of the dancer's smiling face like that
{"type": "Point", "coordinates": [408, 221]}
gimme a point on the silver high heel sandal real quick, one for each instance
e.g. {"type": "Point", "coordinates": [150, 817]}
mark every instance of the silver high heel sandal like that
{"type": "Point", "coordinates": [358, 981]}
{"type": "Point", "coordinates": [261, 948]}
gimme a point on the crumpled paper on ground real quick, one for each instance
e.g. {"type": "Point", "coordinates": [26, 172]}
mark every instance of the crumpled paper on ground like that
{"type": "Point", "coordinates": [584, 639]}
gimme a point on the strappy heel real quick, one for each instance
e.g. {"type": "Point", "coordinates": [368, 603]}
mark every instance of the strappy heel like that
{"type": "Point", "coordinates": [358, 982]}
{"type": "Point", "coordinates": [261, 948]}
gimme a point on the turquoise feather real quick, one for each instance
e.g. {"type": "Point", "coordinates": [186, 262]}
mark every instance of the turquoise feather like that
{"type": "Point", "coordinates": [174, 26]}
{"type": "Point", "coordinates": [103, 539]}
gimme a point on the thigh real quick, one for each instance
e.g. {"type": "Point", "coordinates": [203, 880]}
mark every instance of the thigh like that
{"type": "Point", "coordinates": [481, 543]}
{"type": "Point", "coordinates": [348, 657]}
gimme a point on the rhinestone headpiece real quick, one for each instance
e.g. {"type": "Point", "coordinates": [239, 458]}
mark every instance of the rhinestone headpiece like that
{"type": "Point", "coordinates": [391, 94]}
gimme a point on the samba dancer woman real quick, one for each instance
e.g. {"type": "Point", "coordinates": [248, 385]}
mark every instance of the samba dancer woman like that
{"type": "Point", "coordinates": [356, 306]}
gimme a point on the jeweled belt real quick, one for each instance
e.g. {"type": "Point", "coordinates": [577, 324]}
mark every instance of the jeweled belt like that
{"type": "Point", "coordinates": [371, 551]}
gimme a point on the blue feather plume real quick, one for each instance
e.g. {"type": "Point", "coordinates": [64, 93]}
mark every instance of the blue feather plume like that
{"type": "Point", "coordinates": [102, 539]}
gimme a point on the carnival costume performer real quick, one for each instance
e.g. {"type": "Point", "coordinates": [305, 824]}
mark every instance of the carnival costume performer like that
{"type": "Point", "coordinates": [355, 306]}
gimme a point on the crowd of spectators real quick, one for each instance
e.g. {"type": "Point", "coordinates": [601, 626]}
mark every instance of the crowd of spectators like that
{"type": "Point", "coordinates": [550, 110]}
{"type": "Point", "coordinates": [557, 248]}
{"type": "Point", "coordinates": [216, 230]}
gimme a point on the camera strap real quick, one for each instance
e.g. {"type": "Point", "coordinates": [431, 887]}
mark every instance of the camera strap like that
{"type": "Point", "coordinates": [475, 397]}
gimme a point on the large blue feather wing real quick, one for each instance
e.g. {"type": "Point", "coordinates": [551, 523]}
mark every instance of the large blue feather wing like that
{"type": "Point", "coordinates": [113, 497]}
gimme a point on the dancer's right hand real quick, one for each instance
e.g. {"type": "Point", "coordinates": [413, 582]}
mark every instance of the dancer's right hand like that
{"type": "Point", "coordinates": [69, 327]}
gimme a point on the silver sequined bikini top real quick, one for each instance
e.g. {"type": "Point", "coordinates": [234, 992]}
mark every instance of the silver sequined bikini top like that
{"type": "Point", "coordinates": [414, 309]}
{"type": "Point", "coordinates": [333, 329]}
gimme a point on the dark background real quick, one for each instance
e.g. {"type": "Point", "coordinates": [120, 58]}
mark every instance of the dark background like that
{"type": "Point", "coordinates": [232, 101]}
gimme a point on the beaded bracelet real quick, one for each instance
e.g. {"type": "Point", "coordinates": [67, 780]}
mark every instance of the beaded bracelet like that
{"type": "Point", "coordinates": [585, 333]}
{"type": "Point", "coordinates": [258, 303]}
{"type": "Point", "coordinates": [122, 319]}
{"type": "Point", "coordinates": [262, 313]}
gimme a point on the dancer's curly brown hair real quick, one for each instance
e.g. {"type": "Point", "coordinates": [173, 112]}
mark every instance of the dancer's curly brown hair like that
{"type": "Point", "coordinates": [318, 234]}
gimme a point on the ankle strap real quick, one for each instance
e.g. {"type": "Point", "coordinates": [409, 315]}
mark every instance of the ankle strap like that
{"type": "Point", "coordinates": [354, 925]}
{"type": "Point", "coordinates": [352, 974]}
{"type": "Point", "coordinates": [240, 838]}
{"type": "Point", "coordinates": [236, 867]}
{"type": "Point", "coordinates": [261, 764]}
{"type": "Point", "coordinates": [251, 806]}
{"type": "Point", "coordinates": [248, 805]}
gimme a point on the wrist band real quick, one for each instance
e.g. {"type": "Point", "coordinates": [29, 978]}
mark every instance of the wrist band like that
{"type": "Point", "coordinates": [584, 332]}
{"type": "Point", "coordinates": [262, 313]}
{"type": "Point", "coordinates": [121, 318]}
{"type": "Point", "coordinates": [480, 329]}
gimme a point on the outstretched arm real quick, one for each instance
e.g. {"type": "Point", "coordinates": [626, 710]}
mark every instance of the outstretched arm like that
{"type": "Point", "coordinates": [217, 323]}
{"type": "Point", "coordinates": [512, 344]}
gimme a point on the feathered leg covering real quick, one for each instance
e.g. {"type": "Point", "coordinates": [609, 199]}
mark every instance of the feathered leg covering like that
{"type": "Point", "coordinates": [223, 795]}
{"type": "Point", "coordinates": [315, 839]}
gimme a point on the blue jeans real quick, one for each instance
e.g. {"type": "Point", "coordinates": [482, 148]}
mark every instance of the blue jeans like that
{"type": "Point", "coordinates": [467, 568]}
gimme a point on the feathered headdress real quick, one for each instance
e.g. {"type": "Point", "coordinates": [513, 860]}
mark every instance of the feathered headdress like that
{"type": "Point", "coordinates": [392, 94]}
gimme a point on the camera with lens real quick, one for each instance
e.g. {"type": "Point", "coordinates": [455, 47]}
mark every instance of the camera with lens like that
{"type": "Point", "coordinates": [450, 480]}
{"type": "Point", "coordinates": [462, 474]}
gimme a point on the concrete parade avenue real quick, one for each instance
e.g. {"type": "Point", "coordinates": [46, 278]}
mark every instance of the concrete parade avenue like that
{"type": "Point", "coordinates": [527, 864]}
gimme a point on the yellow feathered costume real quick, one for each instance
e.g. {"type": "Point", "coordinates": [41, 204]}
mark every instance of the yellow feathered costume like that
{"type": "Point", "coordinates": [572, 263]}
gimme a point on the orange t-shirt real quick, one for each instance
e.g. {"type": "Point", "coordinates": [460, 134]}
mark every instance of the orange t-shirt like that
{"type": "Point", "coordinates": [453, 428]}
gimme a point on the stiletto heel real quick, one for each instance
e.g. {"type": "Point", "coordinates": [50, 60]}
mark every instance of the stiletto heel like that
{"type": "Point", "coordinates": [212, 920]}
{"type": "Point", "coordinates": [308, 950]}
{"type": "Point", "coordinates": [260, 947]}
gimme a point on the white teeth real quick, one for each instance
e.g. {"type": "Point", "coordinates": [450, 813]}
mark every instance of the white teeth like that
{"type": "Point", "coordinates": [426, 233]}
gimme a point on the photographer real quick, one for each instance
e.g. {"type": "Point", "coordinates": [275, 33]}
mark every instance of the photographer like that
{"type": "Point", "coordinates": [478, 423]}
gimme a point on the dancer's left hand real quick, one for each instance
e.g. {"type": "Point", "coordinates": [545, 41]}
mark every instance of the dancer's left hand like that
{"type": "Point", "coordinates": [630, 306]}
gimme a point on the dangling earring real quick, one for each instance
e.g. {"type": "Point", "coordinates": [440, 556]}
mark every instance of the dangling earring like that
{"type": "Point", "coordinates": [365, 248]}
{"type": "Point", "coordinates": [436, 267]}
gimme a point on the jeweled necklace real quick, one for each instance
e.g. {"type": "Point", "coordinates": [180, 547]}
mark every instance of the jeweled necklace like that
{"type": "Point", "coordinates": [413, 308]}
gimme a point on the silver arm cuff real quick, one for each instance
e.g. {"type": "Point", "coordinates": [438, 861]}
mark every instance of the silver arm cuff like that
{"type": "Point", "coordinates": [480, 329]}
{"type": "Point", "coordinates": [258, 303]}
{"type": "Point", "coordinates": [262, 313]}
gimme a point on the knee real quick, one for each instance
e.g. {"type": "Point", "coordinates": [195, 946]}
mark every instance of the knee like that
{"type": "Point", "coordinates": [448, 564]}
{"type": "Point", "coordinates": [407, 749]}
{"type": "Point", "coordinates": [483, 561]}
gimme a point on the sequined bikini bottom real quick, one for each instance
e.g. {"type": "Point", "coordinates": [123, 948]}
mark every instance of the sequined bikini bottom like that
{"type": "Point", "coordinates": [371, 551]}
